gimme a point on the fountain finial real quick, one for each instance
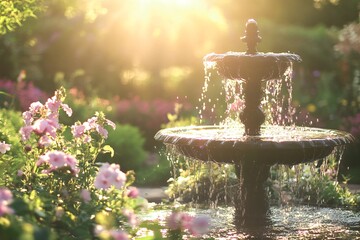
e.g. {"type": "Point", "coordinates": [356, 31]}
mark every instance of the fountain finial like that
{"type": "Point", "coordinates": [251, 37]}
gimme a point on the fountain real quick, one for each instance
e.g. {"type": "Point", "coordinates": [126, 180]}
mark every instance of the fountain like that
{"type": "Point", "coordinates": [253, 147]}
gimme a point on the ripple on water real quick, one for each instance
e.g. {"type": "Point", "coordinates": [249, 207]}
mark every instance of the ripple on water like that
{"type": "Point", "coordinates": [297, 222]}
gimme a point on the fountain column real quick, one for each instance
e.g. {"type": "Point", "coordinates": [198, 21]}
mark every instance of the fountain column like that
{"type": "Point", "coordinates": [251, 206]}
{"type": "Point", "coordinates": [252, 116]}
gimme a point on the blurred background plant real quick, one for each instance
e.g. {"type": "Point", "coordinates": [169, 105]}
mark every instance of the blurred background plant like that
{"type": "Point", "coordinates": [135, 60]}
{"type": "Point", "coordinates": [215, 184]}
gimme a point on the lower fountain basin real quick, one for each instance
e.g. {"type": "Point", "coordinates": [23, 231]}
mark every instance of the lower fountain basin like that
{"type": "Point", "coordinates": [275, 145]}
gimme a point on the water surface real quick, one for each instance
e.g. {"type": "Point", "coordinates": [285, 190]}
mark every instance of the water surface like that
{"type": "Point", "coordinates": [296, 222]}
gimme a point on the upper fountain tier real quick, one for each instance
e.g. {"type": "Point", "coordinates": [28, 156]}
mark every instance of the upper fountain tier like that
{"type": "Point", "coordinates": [251, 64]}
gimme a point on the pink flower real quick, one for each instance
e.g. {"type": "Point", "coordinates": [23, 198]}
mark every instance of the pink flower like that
{"type": "Point", "coordinates": [78, 130]}
{"type": "Point", "coordinates": [20, 173]}
{"type": "Point", "coordinates": [132, 220]}
{"type": "Point", "coordinates": [236, 106]}
{"type": "Point", "coordinates": [5, 199]}
{"type": "Point", "coordinates": [27, 117]}
{"type": "Point", "coordinates": [102, 131]}
{"type": "Point", "coordinates": [110, 175]}
{"type": "Point", "coordinates": [4, 147]}
{"type": "Point", "coordinates": [35, 107]}
{"type": "Point", "coordinates": [119, 179]}
{"type": "Point", "coordinates": [91, 123]}
{"type": "Point", "coordinates": [85, 195]}
{"type": "Point", "coordinates": [119, 235]}
{"type": "Point", "coordinates": [43, 126]}
{"type": "Point", "coordinates": [26, 132]}
{"type": "Point", "coordinates": [45, 141]}
{"type": "Point", "coordinates": [57, 160]}
{"type": "Point", "coordinates": [181, 221]}
{"type": "Point", "coordinates": [53, 104]}
{"type": "Point", "coordinates": [5, 209]}
{"type": "Point", "coordinates": [5, 196]}
{"type": "Point", "coordinates": [178, 220]}
{"type": "Point", "coordinates": [110, 123]}
{"type": "Point", "coordinates": [87, 139]}
{"type": "Point", "coordinates": [199, 226]}
{"type": "Point", "coordinates": [67, 109]}
{"type": "Point", "coordinates": [133, 192]}
{"type": "Point", "coordinates": [71, 162]}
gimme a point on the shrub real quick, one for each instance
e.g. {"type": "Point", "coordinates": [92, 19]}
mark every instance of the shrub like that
{"type": "Point", "coordinates": [127, 143]}
{"type": "Point", "coordinates": [21, 93]}
{"type": "Point", "coordinates": [58, 191]}
{"type": "Point", "coordinates": [156, 172]}
{"type": "Point", "coordinates": [10, 122]}
{"type": "Point", "coordinates": [149, 116]}
{"type": "Point", "coordinates": [84, 106]}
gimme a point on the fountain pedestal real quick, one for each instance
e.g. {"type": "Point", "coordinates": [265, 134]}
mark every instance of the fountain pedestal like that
{"type": "Point", "coordinates": [251, 206]}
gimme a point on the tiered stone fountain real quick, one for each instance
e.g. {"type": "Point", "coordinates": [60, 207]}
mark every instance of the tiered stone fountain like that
{"type": "Point", "coordinates": [253, 147]}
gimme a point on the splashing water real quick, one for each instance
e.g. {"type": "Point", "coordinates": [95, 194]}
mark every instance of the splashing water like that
{"type": "Point", "coordinates": [294, 222]}
{"type": "Point", "coordinates": [216, 184]}
{"type": "Point", "coordinates": [276, 103]}
{"type": "Point", "coordinates": [255, 87]}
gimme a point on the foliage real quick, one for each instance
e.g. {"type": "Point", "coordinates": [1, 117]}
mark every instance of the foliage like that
{"type": "Point", "coordinates": [202, 182]}
{"type": "Point", "coordinates": [155, 172]}
{"type": "Point", "coordinates": [14, 12]}
{"type": "Point", "coordinates": [311, 183]}
{"type": "Point", "coordinates": [149, 115]}
{"type": "Point", "coordinates": [127, 144]}
{"type": "Point", "coordinates": [83, 105]}
{"type": "Point", "coordinates": [57, 188]}
{"type": "Point", "coordinates": [325, 99]}
{"type": "Point", "coordinates": [10, 122]}
{"type": "Point", "coordinates": [85, 35]}
{"type": "Point", "coordinates": [20, 94]}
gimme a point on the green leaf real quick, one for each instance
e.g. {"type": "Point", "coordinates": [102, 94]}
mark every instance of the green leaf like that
{"type": "Point", "coordinates": [108, 149]}
{"type": "Point", "coordinates": [153, 226]}
{"type": "Point", "coordinates": [147, 238]}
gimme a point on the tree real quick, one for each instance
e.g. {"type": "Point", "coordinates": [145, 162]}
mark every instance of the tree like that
{"type": "Point", "coordinates": [14, 12]}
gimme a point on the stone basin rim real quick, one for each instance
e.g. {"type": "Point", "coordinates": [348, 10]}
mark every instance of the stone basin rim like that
{"type": "Point", "coordinates": [287, 57]}
{"type": "Point", "coordinates": [175, 136]}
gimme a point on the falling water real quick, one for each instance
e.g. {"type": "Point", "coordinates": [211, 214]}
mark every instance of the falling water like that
{"type": "Point", "coordinates": [200, 183]}
{"type": "Point", "coordinates": [276, 104]}
{"type": "Point", "coordinates": [216, 184]}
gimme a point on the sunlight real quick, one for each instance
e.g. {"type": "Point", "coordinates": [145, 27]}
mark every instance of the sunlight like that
{"type": "Point", "coordinates": [183, 3]}
{"type": "Point", "coordinates": [151, 25]}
